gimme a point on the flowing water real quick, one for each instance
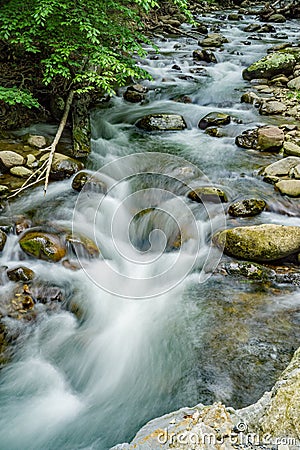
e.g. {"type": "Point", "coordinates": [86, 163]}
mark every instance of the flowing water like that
{"type": "Point", "coordinates": [155, 330]}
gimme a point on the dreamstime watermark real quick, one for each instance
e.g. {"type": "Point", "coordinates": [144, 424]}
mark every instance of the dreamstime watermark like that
{"type": "Point", "coordinates": [240, 437]}
{"type": "Point", "coordinates": [150, 235]}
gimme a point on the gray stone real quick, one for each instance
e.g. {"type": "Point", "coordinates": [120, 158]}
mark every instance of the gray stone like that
{"type": "Point", "coordinates": [272, 107]}
{"type": "Point", "coordinates": [161, 122]}
{"type": "Point", "coordinates": [291, 149]}
{"type": "Point", "coordinates": [204, 55]}
{"type": "Point", "coordinates": [267, 242]}
{"type": "Point", "coordinates": [213, 40]}
{"type": "Point", "coordinates": [282, 167]}
{"type": "Point", "coordinates": [36, 141]}
{"type": "Point", "coordinates": [250, 97]}
{"type": "Point", "coordinates": [294, 84]}
{"type": "Point", "coordinates": [269, 138]}
{"type": "Point", "coordinates": [9, 159]}
{"type": "Point", "coordinates": [291, 188]}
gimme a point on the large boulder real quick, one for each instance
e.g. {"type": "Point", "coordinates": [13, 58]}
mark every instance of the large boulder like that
{"type": "Point", "coordinates": [267, 242]}
{"type": "Point", "coordinates": [214, 119]}
{"type": "Point", "coordinates": [161, 122]}
{"type": "Point", "coordinates": [43, 245]}
{"type": "Point", "coordinates": [271, 65]}
{"type": "Point", "coordinates": [213, 40]}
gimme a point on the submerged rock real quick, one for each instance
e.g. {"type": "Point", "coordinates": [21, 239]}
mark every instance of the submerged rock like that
{"type": "Point", "coordinates": [267, 242]}
{"type": "Point", "coordinates": [88, 181]}
{"type": "Point", "coordinates": [270, 66]}
{"type": "Point", "coordinates": [162, 122]}
{"type": "Point", "coordinates": [246, 208]}
{"type": "Point", "coordinates": [82, 245]}
{"type": "Point", "coordinates": [43, 245]}
{"type": "Point", "coordinates": [208, 194]}
{"type": "Point", "coordinates": [214, 119]}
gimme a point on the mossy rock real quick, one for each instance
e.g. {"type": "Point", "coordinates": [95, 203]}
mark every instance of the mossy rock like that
{"type": "Point", "coordinates": [250, 270]}
{"type": "Point", "coordinates": [43, 245]}
{"type": "Point", "coordinates": [208, 194]}
{"type": "Point", "coordinates": [20, 273]}
{"type": "Point", "coordinates": [214, 119]}
{"type": "Point", "coordinates": [271, 65]}
{"type": "Point", "coordinates": [267, 242]}
{"type": "Point", "coordinates": [82, 245]}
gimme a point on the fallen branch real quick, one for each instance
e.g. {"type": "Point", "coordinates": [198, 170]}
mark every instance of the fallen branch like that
{"type": "Point", "coordinates": [52, 147]}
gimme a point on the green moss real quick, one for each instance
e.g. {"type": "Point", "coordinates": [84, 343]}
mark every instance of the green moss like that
{"type": "Point", "coordinates": [271, 65]}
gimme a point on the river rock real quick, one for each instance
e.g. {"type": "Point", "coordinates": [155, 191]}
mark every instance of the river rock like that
{"type": "Point", "coordinates": [88, 181]}
{"type": "Point", "coordinates": [248, 139]}
{"type": "Point", "coordinates": [294, 84]}
{"type": "Point", "coordinates": [252, 27]}
{"type": "Point", "coordinates": [162, 122]}
{"type": "Point", "coordinates": [250, 270]}
{"type": "Point", "coordinates": [204, 55]}
{"type": "Point", "coordinates": [272, 107]}
{"type": "Point", "coordinates": [20, 273]}
{"type": "Point", "coordinates": [277, 18]}
{"type": "Point", "coordinates": [201, 28]}
{"type": "Point", "coordinates": [267, 28]}
{"type": "Point", "coordinates": [36, 141]}
{"type": "Point", "coordinates": [63, 166]}
{"type": "Point", "coordinates": [267, 242]}
{"type": "Point", "coordinates": [269, 138]}
{"type": "Point", "coordinates": [43, 245]}
{"type": "Point", "coordinates": [213, 40]}
{"type": "Point", "coordinates": [234, 16]}
{"type": "Point", "coordinates": [135, 93]}
{"type": "Point", "coordinates": [3, 238]}
{"type": "Point", "coordinates": [9, 159]}
{"type": "Point", "coordinates": [246, 208]}
{"type": "Point", "coordinates": [250, 97]}
{"type": "Point", "coordinates": [208, 194]}
{"type": "Point", "coordinates": [291, 188]}
{"type": "Point", "coordinates": [271, 65]}
{"type": "Point", "coordinates": [282, 167]}
{"type": "Point", "coordinates": [291, 149]}
{"type": "Point", "coordinates": [296, 172]}
{"type": "Point", "coordinates": [21, 172]}
{"type": "Point", "coordinates": [21, 223]}
{"type": "Point", "coordinates": [82, 245]}
{"type": "Point", "coordinates": [214, 119]}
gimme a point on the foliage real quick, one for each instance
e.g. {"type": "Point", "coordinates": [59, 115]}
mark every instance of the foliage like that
{"type": "Point", "coordinates": [87, 44]}
{"type": "Point", "coordinates": [14, 95]}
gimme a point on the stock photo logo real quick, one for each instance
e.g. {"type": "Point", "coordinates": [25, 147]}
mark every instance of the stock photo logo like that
{"type": "Point", "coordinates": [152, 216]}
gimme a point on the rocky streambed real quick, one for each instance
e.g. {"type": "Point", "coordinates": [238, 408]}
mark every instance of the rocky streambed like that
{"type": "Point", "coordinates": [116, 300]}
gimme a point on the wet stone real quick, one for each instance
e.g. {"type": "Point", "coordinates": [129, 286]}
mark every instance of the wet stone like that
{"type": "Point", "coordinates": [208, 194]}
{"type": "Point", "coordinates": [20, 273]}
{"type": "Point", "coordinates": [247, 208]}
{"type": "Point", "coordinates": [214, 118]}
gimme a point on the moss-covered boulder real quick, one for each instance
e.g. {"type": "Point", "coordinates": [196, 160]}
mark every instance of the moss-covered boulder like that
{"type": "Point", "coordinates": [271, 65]}
{"type": "Point", "coordinates": [162, 122]}
{"type": "Point", "coordinates": [43, 245]}
{"type": "Point", "coordinates": [247, 208]}
{"type": "Point", "coordinates": [214, 119]}
{"type": "Point", "coordinates": [82, 245]}
{"type": "Point", "coordinates": [208, 194]}
{"type": "Point", "coordinates": [250, 270]}
{"type": "Point", "coordinates": [266, 242]}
